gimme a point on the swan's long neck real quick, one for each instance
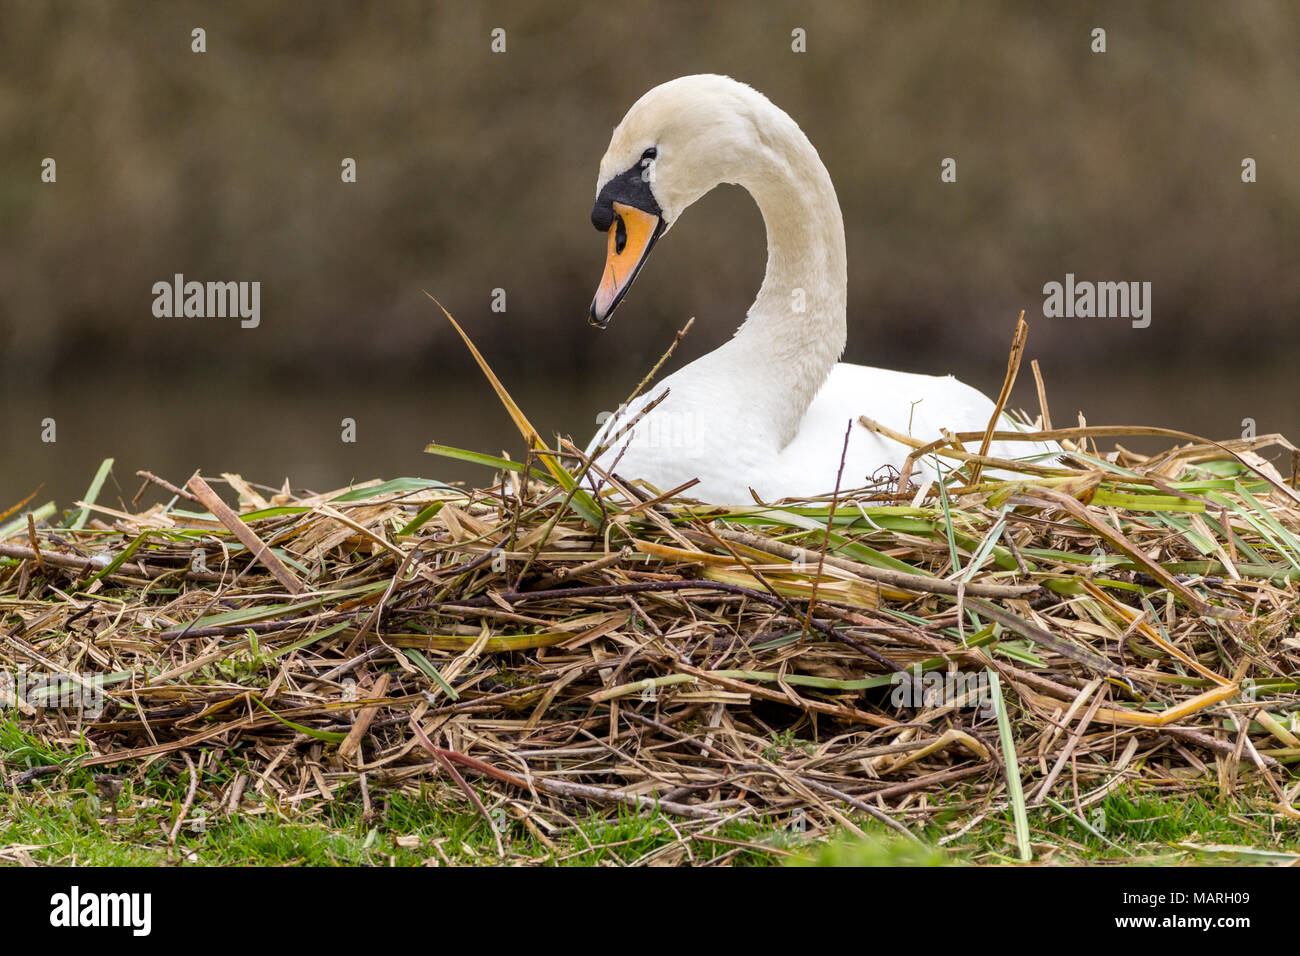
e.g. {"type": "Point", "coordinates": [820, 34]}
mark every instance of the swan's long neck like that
{"type": "Point", "coordinates": [795, 331]}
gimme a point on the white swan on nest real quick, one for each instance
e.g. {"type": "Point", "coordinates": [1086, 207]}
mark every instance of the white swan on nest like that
{"type": "Point", "coordinates": [768, 410]}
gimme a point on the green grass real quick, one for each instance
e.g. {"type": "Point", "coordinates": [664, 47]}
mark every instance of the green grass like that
{"type": "Point", "coordinates": [64, 827]}
{"type": "Point", "coordinates": [403, 830]}
{"type": "Point", "coordinates": [1126, 828]}
{"type": "Point", "coordinates": [77, 817]}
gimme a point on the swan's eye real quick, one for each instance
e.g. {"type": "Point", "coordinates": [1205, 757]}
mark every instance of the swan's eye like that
{"type": "Point", "coordinates": [650, 153]}
{"type": "Point", "coordinates": [620, 235]}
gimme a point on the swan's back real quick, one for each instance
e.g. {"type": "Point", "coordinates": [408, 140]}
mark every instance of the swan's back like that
{"type": "Point", "coordinates": [921, 406]}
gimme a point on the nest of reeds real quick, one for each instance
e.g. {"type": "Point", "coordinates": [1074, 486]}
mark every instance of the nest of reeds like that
{"type": "Point", "coordinates": [545, 649]}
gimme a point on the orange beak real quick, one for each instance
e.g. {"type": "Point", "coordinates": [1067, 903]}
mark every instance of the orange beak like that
{"type": "Point", "coordinates": [631, 237]}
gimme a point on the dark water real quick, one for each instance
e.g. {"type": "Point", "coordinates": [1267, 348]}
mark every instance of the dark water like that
{"type": "Point", "coordinates": [267, 433]}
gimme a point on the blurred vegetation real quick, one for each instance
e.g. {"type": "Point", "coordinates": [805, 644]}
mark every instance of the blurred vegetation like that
{"type": "Point", "coordinates": [477, 170]}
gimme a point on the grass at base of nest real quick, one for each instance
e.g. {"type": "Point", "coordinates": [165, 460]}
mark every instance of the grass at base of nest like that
{"type": "Point", "coordinates": [88, 819]}
{"type": "Point", "coordinates": [64, 828]}
{"type": "Point", "coordinates": [103, 820]}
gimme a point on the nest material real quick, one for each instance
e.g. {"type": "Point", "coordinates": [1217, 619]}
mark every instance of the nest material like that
{"type": "Point", "coordinates": [540, 648]}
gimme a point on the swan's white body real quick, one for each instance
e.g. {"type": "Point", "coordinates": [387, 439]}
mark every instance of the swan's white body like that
{"type": "Point", "coordinates": [768, 410]}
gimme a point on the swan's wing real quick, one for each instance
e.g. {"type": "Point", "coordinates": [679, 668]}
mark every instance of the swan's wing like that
{"type": "Point", "coordinates": [917, 405]}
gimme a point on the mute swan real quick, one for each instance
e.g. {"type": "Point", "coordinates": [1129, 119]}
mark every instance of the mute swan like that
{"type": "Point", "coordinates": [767, 410]}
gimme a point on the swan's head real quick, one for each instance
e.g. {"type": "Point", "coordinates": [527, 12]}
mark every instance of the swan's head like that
{"type": "Point", "coordinates": [675, 144]}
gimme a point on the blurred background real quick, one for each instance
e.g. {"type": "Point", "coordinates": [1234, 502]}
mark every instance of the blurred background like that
{"type": "Point", "coordinates": [476, 171]}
